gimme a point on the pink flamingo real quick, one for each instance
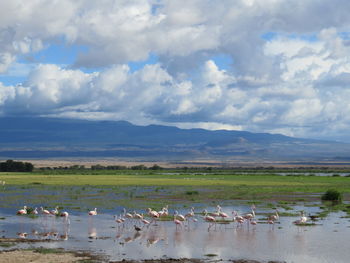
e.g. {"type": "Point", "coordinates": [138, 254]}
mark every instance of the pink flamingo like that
{"type": "Point", "coordinates": [35, 211]}
{"type": "Point", "coordinates": [65, 216]}
{"type": "Point", "coordinates": [251, 215]}
{"type": "Point", "coordinates": [177, 221]}
{"type": "Point", "coordinates": [302, 219]}
{"type": "Point", "coordinates": [137, 216]}
{"type": "Point", "coordinates": [153, 214]}
{"type": "Point", "coordinates": [237, 218]}
{"type": "Point", "coordinates": [22, 211]}
{"type": "Point", "coordinates": [145, 221]}
{"type": "Point", "coordinates": [191, 213]}
{"type": "Point", "coordinates": [54, 212]}
{"type": "Point", "coordinates": [118, 220]}
{"type": "Point", "coordinates": [215, 214]}
{"type": "Point", "coordinates": [223, 215]}
{"type": "Point", "coordinates": [127, 215]}
{"type": "Point", "coordinates": [93, 212]}
{"type": "Point", "coordinates": [274, 217]}
{"type": "Point", "coordinates": [182, 218]}
{"type": "Point", "coordinates": [164, 211]}
{"type": "Point", "coordinates": [44, 211]}
{"type": "Point", "coordinates": [209, 219]}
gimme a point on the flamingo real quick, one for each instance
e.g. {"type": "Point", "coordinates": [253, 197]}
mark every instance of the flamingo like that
{"type": "Point", "coordinates": [93, 212]}
{"type": "Point", "coordinates": [303, 217]}
{"type": "Point", "coordinates": [223, 215]}
{"type": "Point", "coordinates": [54, 212]}
{"type": "Point", "coordinates": [35, 211]}
{"type": "Point", "coordinates": [274, 217]}
{"type": "Point", "coordinates": [22, 234]}
{"type": "Point", "coordinates": [22, 211]}
{"type": "Point", "coordinates": [119, 220]}
{"type": "Point", "coordinates": [153, 214]}
{"type": "Point", "coordinates": [65, 216]}
{"type": "Point", "coordinates": [137, 216]}
{"type": "Point", "coordinates": [44, 211]}
{"type": "Point", "coordinates": [237, 218]}
{"type": "Point", "coordinates": [182, 218]}
{"type": "Point", "coordinates": [145, 221]}
{"type": "Point", "coordinates": [209, 219]}
{"type": "Point", "coordinates": [164, 211]}
{"type": "Point", "coordinates": [177, 221]}
{"type": "Point", "coordinates": [215, 214]}
{"type": "Point", "coordinates": [301, 220]}
{"type": "Point", "coordinates": [127, 215]}
{"type": "Point", "coordinates": [251, 215]}
{"type": "Point", "coordinates": [191, 213]}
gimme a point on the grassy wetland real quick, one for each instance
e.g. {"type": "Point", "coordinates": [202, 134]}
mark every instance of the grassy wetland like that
{"type": "Point", "coordinates": [137, 187]}
{"type": "Point", "coordinates": [78, 191]}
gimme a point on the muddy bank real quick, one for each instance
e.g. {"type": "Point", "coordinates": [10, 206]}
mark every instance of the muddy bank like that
{"type": "Point", "coordinates": [193, 260]}
{"type": "Point", "coordinates": [35, 256]}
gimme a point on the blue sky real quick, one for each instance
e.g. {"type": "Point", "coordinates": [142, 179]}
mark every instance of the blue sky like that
{"type": "Point", "coordinates": [278, 66]}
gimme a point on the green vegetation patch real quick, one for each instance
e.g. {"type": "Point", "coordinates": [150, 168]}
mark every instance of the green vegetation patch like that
{"type": "Point", "coordinates": [7, 244]}
{"type": "Point", "coordinates": [332, 195]}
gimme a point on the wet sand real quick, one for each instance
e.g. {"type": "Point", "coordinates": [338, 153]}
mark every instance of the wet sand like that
{"type": "Point", "coordinates": [24, 256]}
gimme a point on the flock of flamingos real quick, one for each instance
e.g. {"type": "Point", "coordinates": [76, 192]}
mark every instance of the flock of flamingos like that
{"type": "Point", "coordinates": [139, 221]}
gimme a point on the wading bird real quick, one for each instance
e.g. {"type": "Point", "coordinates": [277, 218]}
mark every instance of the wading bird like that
{"type": "Point", "coordinates": [22, 211]}
{"type": "Point", "coordinates": [177, 221]}
{"type": "Point", "coordinates": [93, 212]}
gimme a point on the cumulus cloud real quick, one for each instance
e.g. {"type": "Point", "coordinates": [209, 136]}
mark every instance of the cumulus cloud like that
{"type": "Point", "coordinates": [289, 73]}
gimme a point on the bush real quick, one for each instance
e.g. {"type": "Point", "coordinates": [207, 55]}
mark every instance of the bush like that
{"type": "Point", "coordinates": [332, 195]}
{"type": "Point", "coordinates": [13, 166]}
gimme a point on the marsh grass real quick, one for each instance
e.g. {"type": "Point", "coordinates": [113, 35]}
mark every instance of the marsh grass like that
{"type": "Point", "coordinates": [43, 250]}
{"type": "Point", "coordinates": [7, 244]}
{"type": "Point", "coordinates": [143, 189]}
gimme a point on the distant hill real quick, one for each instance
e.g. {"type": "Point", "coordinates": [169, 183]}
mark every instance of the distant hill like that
{"type": "Point", "coordinates": [52, 137]}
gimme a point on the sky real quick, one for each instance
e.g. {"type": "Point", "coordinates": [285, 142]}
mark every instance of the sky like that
{"type": "Point", "coordinates": [275, 66]}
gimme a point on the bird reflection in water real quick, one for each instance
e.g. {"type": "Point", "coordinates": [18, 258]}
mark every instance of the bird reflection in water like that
{"type": "Point", "coordinates": [92, 233]}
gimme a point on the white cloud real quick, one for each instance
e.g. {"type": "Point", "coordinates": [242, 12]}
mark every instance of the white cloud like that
{"type": "Point", "coordinates": [295, 82]}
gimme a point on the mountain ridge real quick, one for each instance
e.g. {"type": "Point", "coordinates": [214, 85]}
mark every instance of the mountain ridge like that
{"type": "Point", "coordinates": [42, 137]}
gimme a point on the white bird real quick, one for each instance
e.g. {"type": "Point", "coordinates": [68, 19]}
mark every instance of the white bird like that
{"type": "Point", "coordinates": [181, 217]}
{"type": "Point", "coordinates": [22, 211]}
{"type": "Point", "coordinates": [93, 212]}
{"type": "Point", "coordinates": [274, 217]}
{"type": "Point", "coordinates": [54, 212]}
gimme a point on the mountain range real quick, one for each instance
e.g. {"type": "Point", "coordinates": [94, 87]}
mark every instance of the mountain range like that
{"type": "Point", "coordinates": [29, 137]}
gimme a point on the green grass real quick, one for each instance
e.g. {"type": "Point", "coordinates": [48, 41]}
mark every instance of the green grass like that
{"type": "Point", "coordinates": [43, 250]}
{"type": "Point", "coordinates": [7, 244]}
{"type": "Point", "coordinates": [86, 189]}
{"type": "Point", "coordinates": [261, 183]}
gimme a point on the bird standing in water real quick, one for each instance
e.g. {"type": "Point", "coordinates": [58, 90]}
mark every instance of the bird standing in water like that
{"type": "Point", "coordinates": [137, 228]}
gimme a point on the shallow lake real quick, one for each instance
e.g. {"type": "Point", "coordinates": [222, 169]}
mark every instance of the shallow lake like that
{"type": "Point", "coordinates": [327, 241]}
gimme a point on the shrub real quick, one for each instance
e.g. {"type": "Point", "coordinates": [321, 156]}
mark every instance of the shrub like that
{"type": "Point", "coordinates": [332, 195]}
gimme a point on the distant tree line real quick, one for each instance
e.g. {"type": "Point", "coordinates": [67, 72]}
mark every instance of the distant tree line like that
{"type": "Point", "coordinates": [13, 166]}
{"type": "Point", "coordinates": [104, 167]}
